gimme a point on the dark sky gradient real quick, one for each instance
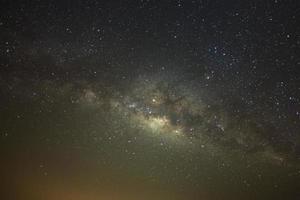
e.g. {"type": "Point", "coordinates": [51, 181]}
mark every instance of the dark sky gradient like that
{"type": "Point", "coordinates": [149, 99]}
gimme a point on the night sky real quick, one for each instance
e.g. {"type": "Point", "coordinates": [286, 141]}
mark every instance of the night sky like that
{"type": "Point", "coordinates": [150, 100]}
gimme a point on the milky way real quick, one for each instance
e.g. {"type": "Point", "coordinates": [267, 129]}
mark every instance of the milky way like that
{"type": "Point", "coordinates": [149, 100]}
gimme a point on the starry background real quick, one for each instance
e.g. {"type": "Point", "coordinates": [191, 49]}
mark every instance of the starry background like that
{"type": "Point", "coordinates": [149, 99]}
